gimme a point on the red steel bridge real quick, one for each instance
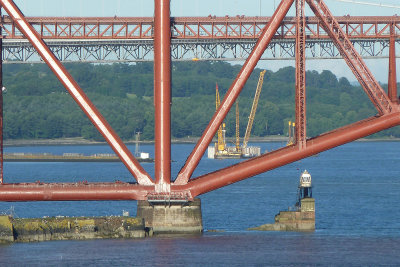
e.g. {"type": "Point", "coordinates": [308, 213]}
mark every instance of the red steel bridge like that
{"type": "Point", "coordinates": [126, 39]}
{"type": "Point", "coordinates": [94, 39]}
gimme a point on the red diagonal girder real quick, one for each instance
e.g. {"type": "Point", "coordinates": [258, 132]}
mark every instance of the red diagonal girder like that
{"type": "Point", "coordinates": [249, 30]}
{"type": "Point", "coordinates": [235, 30]}
{"type": "Point", "coordinates": [105, 30]}
{"type": "Point", "coordinates": [208, 182]}
{"type": "Point", "coordinates": [91, 29]}
{"type": "Point", "coordinates": [76, 92]}
{"type": "Point", "coordinates": [356, 30]}
{"type": "Point", "coordinates": [378, 95]}
{"type": "Point", "coordinates": [287, 155]}
{"type": "Point", "coordinates": [121, 28]}
{"type": "Point", "coordinates": [233, 92]}
{"type": "Point", "coordinates": [52, 34]}
{"type": "Point", "coordinates": [131, 33]}
{"type": "Point", "coordinates": [63, 29]}
{"type": "Point", "coordinates": [383, 29]}
{"type": "Point", "coordinates": [205, 30]}
{"type": "Point", "coordinates": [372, 29]}
{"type": "Point", "coordinates": [146, 32]}
{"type": "Point", "coordinates": [191, 30]}
{"type": "Point", "coordinates": [352, 58]}
{"type": "Point", "coordinates": [76, 30]}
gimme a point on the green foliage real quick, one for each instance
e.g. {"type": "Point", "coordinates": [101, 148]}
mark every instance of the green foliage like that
{"type": "Point", "coordinates": [37, 106]}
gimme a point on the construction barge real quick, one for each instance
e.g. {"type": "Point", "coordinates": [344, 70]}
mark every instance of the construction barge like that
{"type": "Point", "coordinates": [220, 150]}
{"type": "Point", "coordinates": [69, 157]}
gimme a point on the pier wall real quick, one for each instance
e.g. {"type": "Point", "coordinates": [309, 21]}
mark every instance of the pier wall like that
{"type": "Point", "coordinates": [172, 218]}
{"type": "Point", "coordinates": [300, 220]}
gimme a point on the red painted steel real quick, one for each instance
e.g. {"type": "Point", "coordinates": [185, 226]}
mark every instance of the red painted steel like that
{"type": "Point", "coordinates": [79, 96]}
{"type": "Point", "coordinates": [352, 58]}
{"type": "Point", "coordinates": [300, 98]}
{"type": "Point", "coordinates": [162, 94]}
{"type": "Point", "coordinates": [1, 107]}
{"type": "Point", "coordinates": [73, 191]}
{"type": "Point", "coordinates": [392, 81]}
{"type": "Point", "coordinates": [233, 92]}
{"type": "Point", "coordinates": [211, 27]}
{"type": "Point", "coordinates": [287, 155]}
{"type": "Point", "coordinates": [389, 112]}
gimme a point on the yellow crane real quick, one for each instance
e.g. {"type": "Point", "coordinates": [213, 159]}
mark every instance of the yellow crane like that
{"type": "Point", "coordinates": [221, 129]}
{"type": "Point", "coordinates": [221, 150]}
{"type": "Point", "coordinates": [291, 128]}
{"type": "Point", "coordinates": [253, 110]}
{"type": "Point", "coordinates": [237, 127]}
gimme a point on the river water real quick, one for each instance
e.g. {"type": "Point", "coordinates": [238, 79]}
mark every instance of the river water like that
{"type": "Point", "coordinates": [356, 188]}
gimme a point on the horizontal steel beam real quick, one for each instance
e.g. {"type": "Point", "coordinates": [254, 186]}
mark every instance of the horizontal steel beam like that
{"type": "Point", "coordinates": [203, 184]}
{"type": "Point", "coordinates": [72, 191]}
{"type": "Point", "coordinates": [287, 155]}
{"type": "Point", "coordinates": [98, 51]}
{"type": "Point", "coordinates": [238, 27]}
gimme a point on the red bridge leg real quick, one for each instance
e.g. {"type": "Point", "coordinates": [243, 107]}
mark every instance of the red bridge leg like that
{"type": "Point", "coordinates": [162, 94]}
{"type": "Point", "coordinates": [301, 75]}
{"type": "Point", "coordinates": [392, 83]}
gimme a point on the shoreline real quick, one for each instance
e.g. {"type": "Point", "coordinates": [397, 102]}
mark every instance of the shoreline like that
{"type": "Point", "coordinates": [189, 140]}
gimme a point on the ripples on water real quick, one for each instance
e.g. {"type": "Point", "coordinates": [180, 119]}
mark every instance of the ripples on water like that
{"type": "Point", "coordinates": [356, 187]}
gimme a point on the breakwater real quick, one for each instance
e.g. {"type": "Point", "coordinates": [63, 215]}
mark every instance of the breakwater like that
{"type": "Point", "coordinates": [70, 228]}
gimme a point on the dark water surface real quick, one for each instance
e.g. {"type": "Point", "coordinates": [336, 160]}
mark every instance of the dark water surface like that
{"type": "Point", "coordinates": [356, 187]}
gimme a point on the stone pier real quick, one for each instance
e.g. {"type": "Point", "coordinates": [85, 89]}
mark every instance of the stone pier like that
{"type": "Point", "coordinates": [302, 220]}
{"type": "Point", "coordinates": [171, 217]}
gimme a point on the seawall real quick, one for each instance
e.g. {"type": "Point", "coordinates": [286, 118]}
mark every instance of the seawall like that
{"type": "Point", "coordinates": [70, 228]}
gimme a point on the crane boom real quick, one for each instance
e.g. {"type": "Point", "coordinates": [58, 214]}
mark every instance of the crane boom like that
{"type": "Point", "coordinates": [253, 110]}
{"type": "Point", "coordinates": [237, 127]}
{"type": "Point", "coordinates": [221, 142]}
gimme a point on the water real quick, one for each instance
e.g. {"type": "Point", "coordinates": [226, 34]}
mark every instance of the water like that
{"type": "Point", "coordinates": [356, 187]}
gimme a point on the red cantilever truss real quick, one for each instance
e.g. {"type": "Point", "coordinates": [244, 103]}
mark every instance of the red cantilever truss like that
{"type": "Point", "coordinates": [238, 27]}
{"type": "Point", "coordinates": [185, 186]}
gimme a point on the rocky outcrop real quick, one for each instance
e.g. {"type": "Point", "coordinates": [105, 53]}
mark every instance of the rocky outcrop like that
{"type": "Point", "coordinates": [65, 228]}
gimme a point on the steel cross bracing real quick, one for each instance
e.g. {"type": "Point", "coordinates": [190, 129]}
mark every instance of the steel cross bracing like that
{"type": "Point", "coordinates": [238, 27]}
{"type": "Point", "coordinates": [184, 187]}
{"type": "Point", "coordinates": [183, 50]}
{"type": "Point", "coordinates": [205, 38]}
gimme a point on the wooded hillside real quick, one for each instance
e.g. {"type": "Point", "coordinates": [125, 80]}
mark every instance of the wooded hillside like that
{"type": "Point", "coordinates": [37, 106]}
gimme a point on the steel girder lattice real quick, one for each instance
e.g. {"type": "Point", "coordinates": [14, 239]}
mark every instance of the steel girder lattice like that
{"type": "Point", "coordinates": [204, 38]}
{"type": "Point", "coordinates": [97, 28]}
{"type": "Point", "coordinates": [184, 50]}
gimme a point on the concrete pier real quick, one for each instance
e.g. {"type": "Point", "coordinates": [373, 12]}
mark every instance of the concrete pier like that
{"type": "Point", "coordinates": [172, 218]}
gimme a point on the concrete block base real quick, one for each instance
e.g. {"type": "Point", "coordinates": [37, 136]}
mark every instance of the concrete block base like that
{"type": "Point", "coordinates": [172, 218]}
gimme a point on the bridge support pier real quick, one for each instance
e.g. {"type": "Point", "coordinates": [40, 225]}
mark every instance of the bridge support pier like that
{"type": "Point", "coordinates": [172, 217]}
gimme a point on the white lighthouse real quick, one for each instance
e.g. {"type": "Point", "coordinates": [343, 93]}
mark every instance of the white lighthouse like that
{"type": "Point", "coordinates": [305, 201]}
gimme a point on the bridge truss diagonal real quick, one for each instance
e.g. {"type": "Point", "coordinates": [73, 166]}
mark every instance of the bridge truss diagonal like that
{"type": "Point", "coordinates": [292, 38]}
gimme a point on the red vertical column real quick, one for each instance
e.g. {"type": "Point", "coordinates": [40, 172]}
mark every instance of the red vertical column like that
{"type": "Point", "coordinates": [392, 82]}
{"type": "Point", "coordinates": [1, 102]}
{"type": "Point", "coordinates": [300, 75]}
{"type": "Point", "coordinates": [162, 94]}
